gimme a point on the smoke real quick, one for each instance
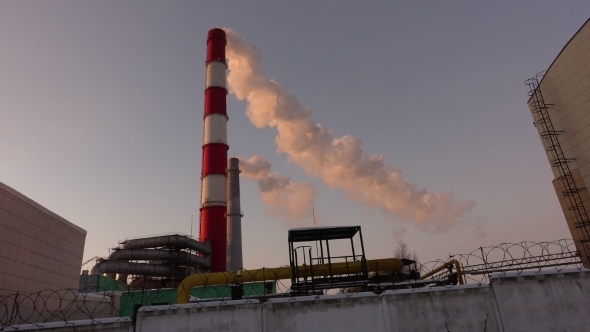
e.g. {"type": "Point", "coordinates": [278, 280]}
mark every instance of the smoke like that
{"type": "Point", "coordinates": [292, 200]}
{"type": "Point", "coordinates": [339, 162]}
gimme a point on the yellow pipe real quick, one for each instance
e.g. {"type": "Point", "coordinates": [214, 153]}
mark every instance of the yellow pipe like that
{"type": "Point", "coordinates": [386, 266]}
{"type": "Point", "coordinates": [444, 266]}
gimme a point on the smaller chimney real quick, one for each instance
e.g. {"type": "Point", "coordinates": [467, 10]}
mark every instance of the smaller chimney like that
{"type": "Point", "coordinates": [234, 217]}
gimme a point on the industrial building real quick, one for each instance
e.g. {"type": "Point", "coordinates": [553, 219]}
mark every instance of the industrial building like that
{"type": "Point", "coordinates": [560, 105]}
{"type": "Point", "coordinates": [163, 261]}
{"type": "Point", "coordinates": [152, 262]}
{"type": "Point", "coordinates": [154, 279]}
{"type": "Point", "coordinates": [38, 249]}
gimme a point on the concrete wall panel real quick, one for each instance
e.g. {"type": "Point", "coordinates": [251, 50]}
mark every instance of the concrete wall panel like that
{"type": "Point", "coordinates": [459, 308]}
{"type": "Point", "coordinates": [117, 324]}
{"type": "Point", "coordinates": [544, 302]}
{"type": "Point", "coordinates": [354, 312]}
{"type": "Point", "coordinates": [532, 302]}
{"type": "Point", "coordinates": [210, 316]}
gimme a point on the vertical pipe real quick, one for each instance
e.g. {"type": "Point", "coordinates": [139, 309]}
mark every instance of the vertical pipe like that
{"type": "Point", "coordinates": [234, 217]}
{"type": "Point", "coordinates": [213, 225]}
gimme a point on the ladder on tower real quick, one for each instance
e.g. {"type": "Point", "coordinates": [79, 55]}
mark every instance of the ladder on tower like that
{"type": "Point", "coordinates": [559, 161]}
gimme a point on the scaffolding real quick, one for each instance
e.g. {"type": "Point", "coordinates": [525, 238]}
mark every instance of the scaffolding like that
{"type": "Point", "coordinates": [342, 270]}
{"type": "Point", "coordinates": [560, 163]}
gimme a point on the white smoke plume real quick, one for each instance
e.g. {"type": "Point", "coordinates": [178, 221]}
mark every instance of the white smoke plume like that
{"type": "Point", "coordinates": [339, 162]}
{"type": "Point", "coordinates": [292, 200]}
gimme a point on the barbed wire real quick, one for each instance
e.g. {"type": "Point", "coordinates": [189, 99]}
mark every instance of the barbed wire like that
{"type": "Point", "coordinates": [478, 265]}
{"type": "Point", "coordinates": [54, 305]}
{"type": "Point", "coordinates": [112, 298]}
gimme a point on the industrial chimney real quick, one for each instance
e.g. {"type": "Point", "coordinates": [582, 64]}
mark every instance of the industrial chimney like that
{"type": "Point", "coordinates": [213, 226]}
{"type": "Point", "coordinates": [234, 217]}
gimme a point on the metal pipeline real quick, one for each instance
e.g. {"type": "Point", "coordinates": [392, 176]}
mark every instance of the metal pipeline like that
{"type": "Point", "coordinates": [168, 241]}
{"type": "Point", "coordinates": [385, 266]}
{"type": "Point", "coordinates": [447, 265]}
{"type": "Point", "coordinates": [123, 267]}
{"type": "Point", "coordinates": [160, 255]}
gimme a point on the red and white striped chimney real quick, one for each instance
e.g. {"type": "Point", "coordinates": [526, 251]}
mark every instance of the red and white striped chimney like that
{"type": "Point", "coordinates": [213, 226]}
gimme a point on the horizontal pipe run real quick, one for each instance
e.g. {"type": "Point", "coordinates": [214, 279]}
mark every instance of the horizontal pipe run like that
{"type": "Point", "coordinates": [385, 266]}
{"type": "Point", "coordinates": [160, 255]}
{"type": "Point", "coordinates": [152, 270]}
{"type": "Point", "coordinates": [178, 241]}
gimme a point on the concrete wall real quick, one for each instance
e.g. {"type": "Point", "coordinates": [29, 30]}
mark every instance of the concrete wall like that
{"type": "Point", "coordinates": [543, 302]}
{"type": "Point", "coordinates": [38, 249]}
{"type": "Point", "coordinates": [241, 315]}
{"type": "Point", "coordinates": [354, 312]}
{"type": "Point", "coordinates": [525, 302]}
{"type": "Point", "coordinates": [459, 308]}
{"type": "Point", "coordinates": [117, 324]}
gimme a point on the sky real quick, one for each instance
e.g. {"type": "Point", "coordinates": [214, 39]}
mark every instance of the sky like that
{"type": "Point", "coordinates": [101, 106]}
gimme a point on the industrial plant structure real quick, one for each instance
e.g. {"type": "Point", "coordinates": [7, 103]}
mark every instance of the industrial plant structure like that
{"type": "Point", "coordinates": [210, 270]}
{"type": "Point", "coordinates": [162, 261]}
{"type": "Point", "coordinates": [154, 262]}
{"type": "Point", "coordinates": [560, 105]}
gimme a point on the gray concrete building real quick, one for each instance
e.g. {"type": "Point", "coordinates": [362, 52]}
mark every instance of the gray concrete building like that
{"type": "Point", "coordinates": [38, 249]}
{"type": "Point", "coordinates": [560, 105]}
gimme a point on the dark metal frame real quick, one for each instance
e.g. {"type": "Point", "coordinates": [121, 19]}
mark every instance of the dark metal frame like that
{"type": "Point", "coordinates": [303, 285]}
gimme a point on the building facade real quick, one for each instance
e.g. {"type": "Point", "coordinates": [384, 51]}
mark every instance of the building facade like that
{"type": "Point", "coordinates": [38, 249]}
{"type": "Point", "coordinates": [560, 105]}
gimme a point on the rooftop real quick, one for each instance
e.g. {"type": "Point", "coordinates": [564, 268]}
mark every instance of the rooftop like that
{"type": "Point", "coordinates": [322, 233]}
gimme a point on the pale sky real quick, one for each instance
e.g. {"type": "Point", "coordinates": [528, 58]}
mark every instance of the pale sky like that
{"type": "Point", "coordinates": [101, 106]}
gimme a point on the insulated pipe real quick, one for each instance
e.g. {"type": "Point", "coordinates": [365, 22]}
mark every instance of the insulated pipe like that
{"type": "Point", "coordinates": [160, 255]}
{"type": "Point", "coordinates": [449, 264]}
{"type": "Point", "coordinates": [213, 226]}
{"type": "Point", "coordinates": [234, 217]}
{"type": "Point", "coordinates": [179, 241]}
{"type": "Point", "coordinates": [386, 266]}
{"type": "Point", "coordinates": [123, 267]}
{"type": "Point", "coordinates": [122, 278]}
